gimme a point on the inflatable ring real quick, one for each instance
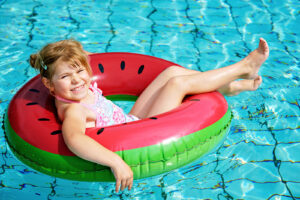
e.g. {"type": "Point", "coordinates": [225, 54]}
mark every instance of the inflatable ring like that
{"type": "Point", "coordinates": [150, 146]}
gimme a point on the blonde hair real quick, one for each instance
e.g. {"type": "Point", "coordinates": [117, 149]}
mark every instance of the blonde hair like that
{"type": "Point", "coordinates": [69, 51]}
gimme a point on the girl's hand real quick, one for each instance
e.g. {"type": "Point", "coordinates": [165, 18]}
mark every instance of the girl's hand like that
{"type": "Point", "coordinates": [123, 175]}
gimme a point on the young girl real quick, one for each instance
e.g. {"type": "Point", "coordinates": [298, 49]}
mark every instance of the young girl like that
{"type": "Point", "coordinates": [66, 73]}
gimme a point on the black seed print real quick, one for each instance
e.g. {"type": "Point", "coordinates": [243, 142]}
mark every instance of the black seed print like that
{"type": "Point", "coordinates": [34, 90]}
{"type": "Point", "coordinates": [122, 65]}
{"type": "Point", "coordinates": [44, 119]}
{"type": "Point", "coordinates": [31, 104]}
{"type": "Point", "coordinates": [56, 132]}
{"type": "Point", "coordinates": [100, 131]}
{"type": "Point", "coordinates": [155, 118]}
{"type": "Point", "coordinates": [141, 69]}
{"type": "Point", "coordinates": [101, 68]}
{"type": "Point", "coordinates": [195, 100]}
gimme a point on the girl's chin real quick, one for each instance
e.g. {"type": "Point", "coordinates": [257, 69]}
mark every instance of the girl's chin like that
{"type": "Point", "coordinates": [79, 94]}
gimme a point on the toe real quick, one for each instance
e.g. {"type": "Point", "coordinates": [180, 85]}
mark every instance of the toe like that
{"type": "Point", "coordinates": [263, 46]}
{"type": "Point", "coordinates": [257, 82]}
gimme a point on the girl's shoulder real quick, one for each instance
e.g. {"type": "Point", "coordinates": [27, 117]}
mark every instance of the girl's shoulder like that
{"type": "Point", "coordinates": [62, 108]}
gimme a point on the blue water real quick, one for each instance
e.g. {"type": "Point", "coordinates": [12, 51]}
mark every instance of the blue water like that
{"type": "Point", "coordinates": [260, 157]}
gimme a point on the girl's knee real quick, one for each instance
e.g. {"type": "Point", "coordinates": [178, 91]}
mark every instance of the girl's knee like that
{"type": "Point", "coordinates": [173, 71]}
{"type": "Point", "coordinates": [178, 83]}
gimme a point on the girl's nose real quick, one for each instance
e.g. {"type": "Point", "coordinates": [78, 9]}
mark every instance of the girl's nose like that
{"type": "Point", "coordinates": [75, 78]}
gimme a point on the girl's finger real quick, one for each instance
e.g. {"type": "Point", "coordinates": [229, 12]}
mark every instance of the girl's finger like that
{"type": "Point", "coordinates": [118, 185]}
{"type": "Point", "coordinates": [130, 183]}
{"type": "Point", "coordinates": [123, 186]}
{"type": "Point", "coordinates": [127, 183]}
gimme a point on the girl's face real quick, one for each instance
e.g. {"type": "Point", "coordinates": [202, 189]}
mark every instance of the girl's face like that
{"type": "Point", "coordinates": [70, 82]}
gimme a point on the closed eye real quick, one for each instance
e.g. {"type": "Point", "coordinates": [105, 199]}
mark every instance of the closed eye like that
{"type": "Point", "coordinates": [64, 76]}
{"type": "Point", "coordinates": [80, 70]}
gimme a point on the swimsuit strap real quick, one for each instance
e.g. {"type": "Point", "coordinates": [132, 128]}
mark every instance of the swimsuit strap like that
{"type": "Point", "coordinates": [65, 100]}
{"type": "Point", "coordinates": [95, 88]}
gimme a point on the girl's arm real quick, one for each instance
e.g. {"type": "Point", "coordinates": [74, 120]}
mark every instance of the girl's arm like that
{"type": "Point", "coordinates": [73, 129]}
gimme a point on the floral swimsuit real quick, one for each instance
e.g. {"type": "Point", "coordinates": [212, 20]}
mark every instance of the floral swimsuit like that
{"type": "Point", "coordinates": [107, 113]}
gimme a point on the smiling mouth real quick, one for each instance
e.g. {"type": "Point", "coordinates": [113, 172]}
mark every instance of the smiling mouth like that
{"type": "Point", "coordinates": [77, 88]}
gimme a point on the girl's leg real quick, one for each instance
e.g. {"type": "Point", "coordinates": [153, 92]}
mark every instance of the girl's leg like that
{"type": "Point", "coordinates": [166, 93]}
{"type": "Point", "coordinates": [145, 100]}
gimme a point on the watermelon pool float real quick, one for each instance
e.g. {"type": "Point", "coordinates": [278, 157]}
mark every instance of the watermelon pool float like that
{"type": "Point", "coordinates": [150, 146]}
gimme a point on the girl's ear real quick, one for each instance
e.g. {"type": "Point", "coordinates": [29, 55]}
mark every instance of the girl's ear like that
{"type": "Point", "coordinates": [46, 82]}
{"type": "Point", "coordinates": [48, 85]}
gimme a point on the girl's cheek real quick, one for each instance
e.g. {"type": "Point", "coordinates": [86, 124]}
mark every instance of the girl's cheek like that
{"type": "Point", "coordinates": [62, 83]}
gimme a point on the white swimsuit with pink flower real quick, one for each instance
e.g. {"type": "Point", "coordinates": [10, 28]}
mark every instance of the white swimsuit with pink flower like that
{"type": "Point", "coordinates": [107, 113]}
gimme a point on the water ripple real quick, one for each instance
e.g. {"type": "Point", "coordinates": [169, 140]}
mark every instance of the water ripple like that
{"type": "Point", "coordinates": [153, 31]}
{"type": "Point", "coordinates": [112, 28]}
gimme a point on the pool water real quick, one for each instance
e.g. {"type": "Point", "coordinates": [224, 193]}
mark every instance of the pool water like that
{"type": "Point", "coordinates": [259, 158]}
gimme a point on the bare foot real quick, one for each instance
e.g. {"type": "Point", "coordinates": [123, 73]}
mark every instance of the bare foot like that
{"type": "Point", "coordinates": [255, 59]}
{"type": "Point", "coordinates": [236, 87]}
